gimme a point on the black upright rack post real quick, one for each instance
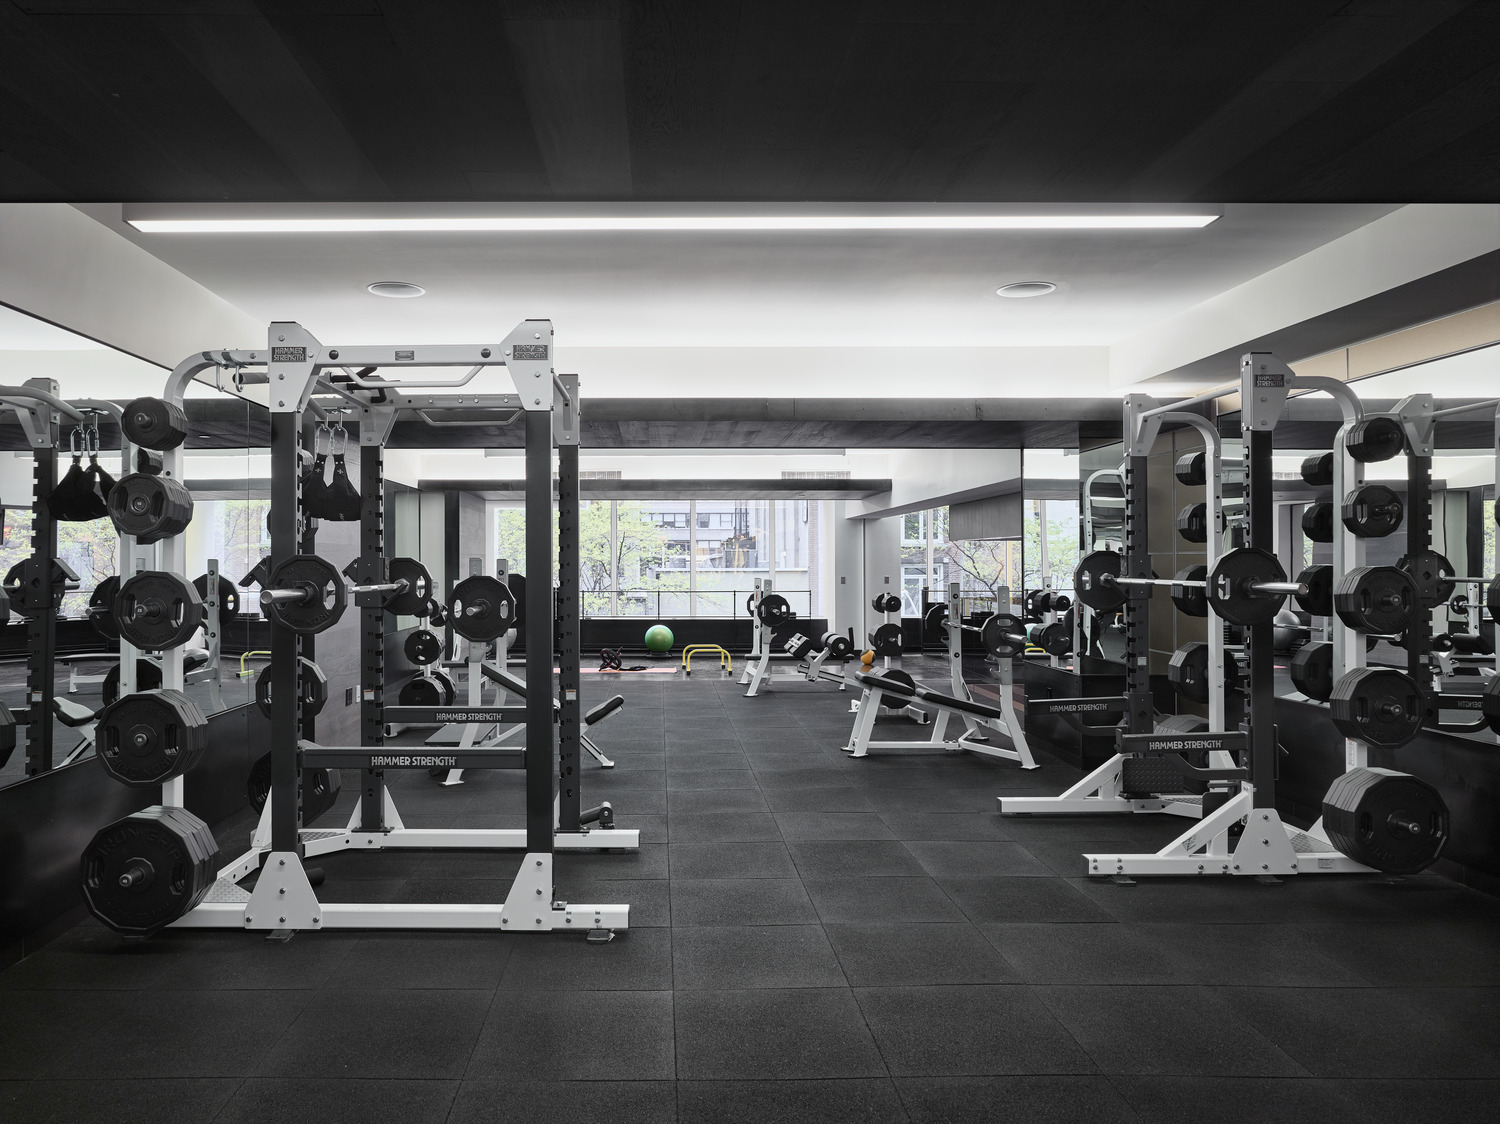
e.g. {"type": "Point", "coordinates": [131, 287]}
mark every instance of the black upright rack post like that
{"type": "Point", "coordinates": [1139, 709]}
{"type": "Point", "coordinates": [372, 628]}
{"type": "Point", "coordinates": [569, 674]}
{"type": "Point", "coordinates": [1418, 541]}
{"type": "Point", "coordinates": [1260, 638]}
{"type": "Point", "coordinates": [540, 749]}
{"type": "Point", "coordinates": [286, 645]}
{"type": "Point", "coordinates": [42, 599]}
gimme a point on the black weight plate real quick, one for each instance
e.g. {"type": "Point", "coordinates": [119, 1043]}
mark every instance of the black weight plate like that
{"type": "Point", "coordinates": [149, 507]}
{"type": "Point", "coordinates": [154, 423]}
{"type": "Point", "coordinates": [774, 610]}
{"type": "Point", "coordinates": [320, 788]}
{"type": "Point", "coordinates": [1433, 575]}
{"type": "Point", "coordinates": [1191, 599]}
{"type": "Point", "coordinates": [150, 737]}
{"type": "Point", "coordinates": [1491, 703]}
{"type": "Point", "coordinates": [314, 689]}
{"type": "Point", "coordinates": [1188, 671]}
{"type": "Point", "coordinates": [147, 678]}
{"type": "Point", "coordinates": [1003, 636]}
{"type": "Point", "coordinates": [1192, 522]}
{"type": "Point", "coordinates": [101, 602]}
{"type": "Point", "coordinates": [481, 608]}
{"type": "Point", "coordinates": [1390, 821]}
{"type": "Point", "coordinates": [446, 685]}
{"type": "Point", "coordinates": [423, 647]}
{"type": "Point", "coordinates": [229, 595]}
{"type": "Point", "coordinates": [156, 610]}
{"type": "Point", "coordinates": [320, 578]}
{"type": "Point", "coordinates": [422, 690]}
{"type": "Point", "coordinates": [413, 600]}
{"type": "Point", "coordinates": [1055, 639]}
{"type": "Point", "coordinates": [1312, 670]}
{"type": "Point", "coordinates": [1492, 596]}
{"type": "Point", "coordinates": [887, 640]}
{"type": "Point", "coordinates": [142, 873]}
{"type": "Point", "coordinates": [1191, 469]}
{"type": "Point", "coordinates": [1317, 521]}
{"type": "Point", "coordinates": [1378, 705]}
{"type": "Point", "coordinates": [1088, 580]}
{"type": "Point", "coordinates": [896, 702]}
{"type": "Point", "coordinates": [1372, 511]}
{"type": "Point", "coordinates": [1375, 438]}
{"type": "Point", "coordinates": [1318, 600]}
{"type": "Point", "coordinates": [1230, 591]}
{"type": "Point", "coordinates": [1317, 469]}
{"type": "Point", "coordinates": [1375, 599]}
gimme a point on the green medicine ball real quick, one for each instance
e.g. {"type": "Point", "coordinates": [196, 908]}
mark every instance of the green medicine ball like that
{"type": "Point", "coordinates": [659, 638]}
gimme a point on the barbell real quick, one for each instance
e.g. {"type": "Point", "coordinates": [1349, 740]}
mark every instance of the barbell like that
{"type": "Point", "coordinates": [1003, 635]}
{"type": "Point", "coordinates": [307, 594]}
{"type": "Point", "coordinates": [1246, 587]}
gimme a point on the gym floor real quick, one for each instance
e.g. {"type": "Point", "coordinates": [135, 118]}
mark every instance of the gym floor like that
{"type": "Point", "coordinates": [812, 939]}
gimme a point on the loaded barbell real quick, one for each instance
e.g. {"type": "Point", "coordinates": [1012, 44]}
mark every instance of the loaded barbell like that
{"type": "Point", "coordinates": [1247, 585]}
{"type": "Point", "coordinates": [307, 594]}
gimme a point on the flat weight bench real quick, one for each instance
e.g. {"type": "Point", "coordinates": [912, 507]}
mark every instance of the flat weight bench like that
{"type": "Point", "coordinates": [979, 715]}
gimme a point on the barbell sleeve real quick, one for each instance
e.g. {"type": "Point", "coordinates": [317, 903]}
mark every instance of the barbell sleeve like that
{"type": "Point", "coordinates": [289, 596]}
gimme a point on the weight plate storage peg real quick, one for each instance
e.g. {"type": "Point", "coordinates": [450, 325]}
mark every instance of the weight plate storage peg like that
{"type": "Point", "coordinates": [1191, 469]}
{"type": "Point", "coordinates": [1189, 675]}
{"type": "Point", "coordinates": [1231, 586]}
{"type": "Point", "coordinates": [155, 423]}
{"type": "Point", "coordinates": [1377, 437]}
{"type": "Point", "coordinates": [1192, 522]}
{"type": "Point", "coordinates": [1191, 599]}
{"type": "Point", "coordinates": [1317, 470]}
{"type": "Point", "coordinates": [1377, 705]}
{"type": "Point", "coordinates": [150, 737]}
{"type": "Point", "coordinates": [1375, 599]}
{"type": "Point", "coordinates": [324, 594]}
{"type": "Point", "coordinates": [149, 507]}
{"type": "Point", "coordinates": [145, 871]}
{"type": "Point", "coordinates": [101, 606]}
{"type": "Point", "coordinates": [775, 609]}
{"type": "Point", "coordinates": [481, 608]}
{"type": "Point", "coordinates": [229, 594]}
{"type": "Point", "coordinates": [1317, 521]}
{"type": "Point", "coordinates": [156, 610]}
{"type": "Point", "coordinates": [1372, 511]}
{"type": "Point", "coordinates": [1312, 670]}
{"type": "Point", "coordinates": [1433, 575]}
{"type": "Point", "coordinates": [1318, 600]}
{"type": "Point", "coordinates": [320, 788]}
{"type": "Point", "coordinates": [314, 689]}
{"type": "Point", "coordinates": [1088, 585]}
{"type": "Point", "coordinates": [423, 647]}
{"type": "Point", "coordinates": [1390, 821]}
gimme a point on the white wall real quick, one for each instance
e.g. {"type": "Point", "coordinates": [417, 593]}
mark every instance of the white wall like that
{"type": "Point", "coordinates": [924, 478]}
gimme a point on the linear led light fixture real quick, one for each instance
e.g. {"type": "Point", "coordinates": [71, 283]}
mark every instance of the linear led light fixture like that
{"type": "Point", "coordinates": [447, 219]}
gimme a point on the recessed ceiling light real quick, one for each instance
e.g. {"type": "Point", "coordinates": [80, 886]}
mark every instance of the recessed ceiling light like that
{"type": "Point", "coordinates": [1022, 289]}
{"type": "Point", "coordinates": [395, 289]}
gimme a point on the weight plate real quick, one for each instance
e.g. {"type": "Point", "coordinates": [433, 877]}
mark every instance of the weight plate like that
{"type": "Point", "coordinates": [320, 788]}
{"type": "Point", "coordinates": [1055, 639]}
{"type": "Point", "coordinates": [423, 690]}
{"type": "Point", "coordinates": [1378, 705]}
{"type": "Point", "coordinates": [321, 583]}
{"type": "Point", "coordinates": [1088, 578]}
{"type": "Point", "coordinates": [149, 507]}
{"type": "Point", "coordinates": [1387, 820]}
{"type": "Point", "coordinates": [1192, 522]}
{"type": "Point", "coordinates": [1189, 675]}
{"type": "Point", "coordinates": [1317, 521]}
{"type": "Point", "coordinates": [229, 595]}
{"type": "Point", "coordinates": [423, 647]}
{"type": "Point", "coordinates": [1432, 574]}
{"type": "Point", "coordinates": [1491, 703]}
{"type": "Point", "coordinates": [1375, 599]}
{"type": "Point", "coordinates": [896, 702]}
{"type": "Point", "coordinates": [314, 689]}
{"type": "Point", "coordinates": [1376, 437]}
{"type": "Point", "coordinates": [24, 587]}
{"type": "Point", "coordinates": [156, 610]}
{"type": "Point", "coordinates": [1003, 636]}
{"type": "Point", "coordinates": [411, 602]}
{"type": "Point", "coordinates": [445, 684]}
{"type": "Point", "coordinates": [838, 645]}
{"type": "Point", "coordinates": [1230, 586]}
{"type": "Point", "coordinates": [887, 640]}
{"type": "Point", "coordinates": [775, 609]}
{"type": "Point", "coordinates": [1191, 599]}
{"type": "Point", "coordinates": [150, 737]}
{"type": "Point", "coordinates": [155, 423]}
{"type": "Point", "coordinates": [1372, 511]}
{"type": "Point", "coordinates": [101, 602]}
{"type": "Point", "coordinates": [1318, 600]}
{"type": "Point", "coordinates": [1317, 470]}
{"type": "Point", "coordinates": [142, 873]}
{"type": "Point", "coordinates": [1191, 469]}
{"type": "Point", "coordinates": [1312, 670]}
{"type": "Point", "coordinates": [147, 678]}
{"type": "Point", "coordinates": [481, 608]}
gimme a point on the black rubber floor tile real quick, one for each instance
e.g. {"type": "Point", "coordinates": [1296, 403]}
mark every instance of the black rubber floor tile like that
{"type": "Point", "coordinates": [835, 799]}
{"type": "Point", "coordinates": [854, 858]}
{"type": "Point", "coordinates": [89, 957]}
{"type": "Point", "coordinates": [976, 859]}
{"type": "Point", "coordinates": [740, 901]}
{"type": "Point", "coordinates": [1064, 857]}
{"type": "Point", "coordinates": [1453, 953]}
{"type": "Point", "coordinates": [452, 891]}
{"type": "Point", "coordinates": [1252, 1100]}
{"type": "Point", "coordinates": [576, 1036]}
{"type": "Point", "coordinates": [731, 860]}
{"type": "Point", "coordinates": [1213, 901]}
{"type": "Point", "coordinates": [1473, 1013]}
{"type": "Point", "coordinates": [1023, 899]}
{"type": "Point", "coordinates": [968, 1030]}
{"type": "Point", "coordinates": [757, 956]}
{"type": "Point", "coordinates": [946, 825]}
{"type": "Point", "coordinates": [84, 1100]}
{"type": "Point", "coordinates": [874, 900]}
{"type": "Point", "coordinates": [468, 864]}
{"type": "Point", "coordinates": [868, 1101]}
{"type": "Point", "coordinates": [715, 755]}
{"type": "Point", "coordinates": [649, 860]}
{"type": "Point", "coordinates": [714, 827]}
{"type": "Point", "coordinates": [229, 960]}
{"type": "Point", "coordinates": [485, 1101]}
{"type": "Point", "coordinates": [653, 829]}
{"type": "Point", "coordinates": [723, 801]}
{"type": "Point", "coordinates": [1358, 1032]}
{"type": "Point", "coordinates": [897, 798]}
{"type": "Point", "coordinates": [648, 898]}
{"type": "Point", "coordinates": [699, 780]}
{"type": "Point", "coordinates": [406, 1034]}
{"type": "Point", "coordinates": [792, 1034]}
{"type": "Point", "coordinates": [1429, 897]}
{"type": "Point", "coordinates": [1043, 1100]}
{"type": "Point", "coordinates": [1084, 954]}
{"type": "Point", "coordinates": [636, 960]}
{"type": "Point", "coordinates": [882, 955]}
{"type": "Point", "coordinates": [832, 825]}
{"type": "Point", "coordinates": [422, 960]}
{"type": "Point", "coordinates": [1166, 1030]}
{"type": "Point", "coordinates": [313, 1100]}
{"type": "Point", "coordinates": [1249, 955]}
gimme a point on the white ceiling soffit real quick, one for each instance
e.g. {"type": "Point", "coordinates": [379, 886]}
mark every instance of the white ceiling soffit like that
{"type": "Point", "coordinates": [649, 313]}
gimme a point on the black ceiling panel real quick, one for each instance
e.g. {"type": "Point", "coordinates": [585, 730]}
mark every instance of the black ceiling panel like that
{"type": "Point", "coordinates": [774, 100]}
